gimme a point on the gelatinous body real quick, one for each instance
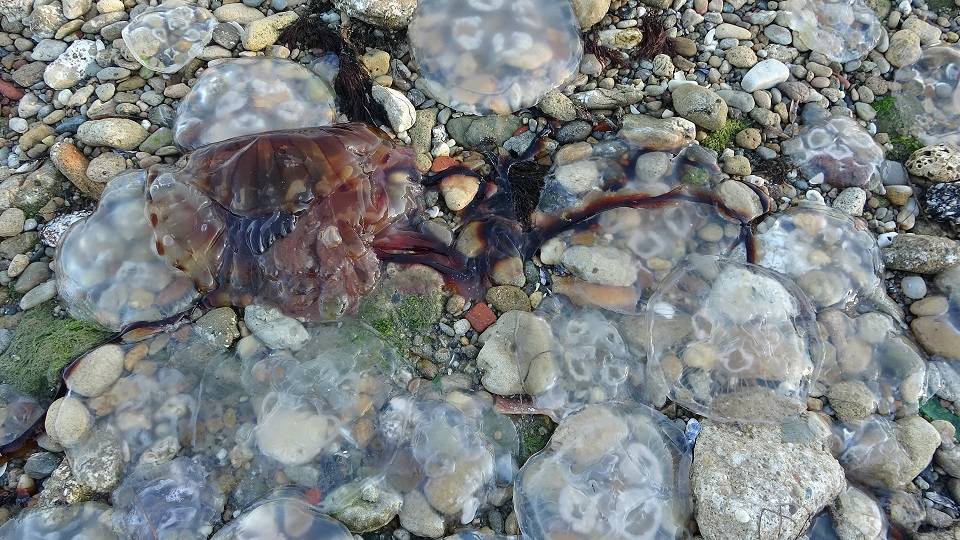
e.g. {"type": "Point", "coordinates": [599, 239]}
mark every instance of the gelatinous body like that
{"type": "Point", "coordinates": [833, 257]}
{"type": "Point", "coordinates": [89, 521]}
{"type": "Point", "coordinates": [458, 452]}
{"type": "Point", "coordinates": [494, 56]}
{"type": "Point", "coordinates": [611, 471]}
{"type": "Point", "coordinates": [165, 37]}
{"type": "Point", "coordinates": [108, 270]}
{"type": "Point", "coordinates": [283, 516]}
{"type": "Point", "coordinates": [842, 30]}
{"type": "Point", "coordinates": [874, 350]}
{"type": "Point", "coordinates": [930, 95]}
{"type": "Point", "coordinates": [19, 413]}
{"type": "Point", "coordinates": [837, 151]}
{"type": "Point", "coordinates": [284, 218]}
{"type": "Point", "coordinates": [734, 341]}
{"type": "Point", "coordinates": [252, 95]}
{"type": "Point", "coordinates": [175, 499]}
{"type": "Point", "coordinates": [652, 209]}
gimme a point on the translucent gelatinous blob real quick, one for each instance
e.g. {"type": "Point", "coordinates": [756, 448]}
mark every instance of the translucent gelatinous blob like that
{"type": "Point", "coordinates": [458, 451]}
{"type": "Point", "coordinates": [654, 209]}
{"type": "Point", "coordinates": [284, 218]}
{"type": "Point", "coordinates": [930, 95]}
{"type": "Point", "coordinates": [841, 30]}
{"type": "Point", "coordinates": [611, 471]}
{"type": "Point", "coordinates": [164, 38]}
{"type": "Point", "coordinates": [108, 270]}
{"type": "Point", "coordinates": [314, 411]}
{"type": "Point", "coordinates": [873, 349]}
{"type": "Point", "coordinates": [494, 56]}
{"type": "Point", "coordinates": [284, 516]}
{"type": "Point", "coordinates": [837, 151]}
{"type": "Point", "coordinates": [479, 535]}
{"type": "Point", "coordinates": [88, 521]}
{"type": "Point", "coordinates": [831, 256]}
{"type": "Point", "coordinates": [734, 341]}
{"type": "Point", "coordinates": [252, 95]}
{"type": "Point", "coordinates": [19, 413]}
{"type": "Point", "coordinates": [562, 356]}
{"type": "Point", "coordinates": [175, 499]}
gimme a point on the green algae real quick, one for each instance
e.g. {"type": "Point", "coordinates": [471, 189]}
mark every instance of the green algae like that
{"type": "Point", "coordinates": [721, 139]}
{"type": "Point", "coordinates": [406, 304]}
{"type": "Point", "coordinates": [535, 432]}
{"type": "Point", "coordinates": [42, 345]}
{"type": "Point", "coordinates": [933, 410]}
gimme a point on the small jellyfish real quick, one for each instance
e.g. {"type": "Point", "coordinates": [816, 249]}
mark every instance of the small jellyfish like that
{"type": "Point", "coordinates": [286, 218]}
{"type": "Point", "coordinates": [174, 499]}
{"type": "Point", "coordinates": [734, 341]}
{"type": "Point", "coordinates": [252, 95]}
{"type": "Point", "coordinates": [458, 453]}
{"type": "Point", "coordinates": [494, 56]}
{"type": "Point", "coordinates": [652, 209]}
{"type": "Point", "coordinates": [89, 520]}
{"type": "Point", "coordinates": [930, 95]}
{"type": "Point", "coordinates": [837, 151]}
{"type": "Point", "coordinates": [165, 38]}
{"type": "Point", "coordinates": [284, 516]}
{"type": "Point", "coordinates": [19, 414]}
{"type": "Point", "coordinates": [563, 356]}
{"type": "Point", "coordinates": [108, 270]}
{"type": "Point", "coordinates": [611, 470]}
{"type": "Point", "coordinates": [841, 30]}
{"type": "Point", "coordinates": [479, 535]}
{"type": "Point", "coordinates": [831, 256]}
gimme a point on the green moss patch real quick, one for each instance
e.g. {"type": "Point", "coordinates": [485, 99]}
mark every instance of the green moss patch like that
{"type": "Point", "coordinates": [42, 345]}
{"type": "Point", "coordinates": [535, 432]}
{"type": "Point", "coordinates": [721, 139]}
{"type": "Point", "coordinates": [404, 305]}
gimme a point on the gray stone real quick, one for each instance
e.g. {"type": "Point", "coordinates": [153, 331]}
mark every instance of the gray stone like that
{"type": "Point", "coordinates": [35, 274]}
{"type": "Point", "coordinates": [38, 295]}
{"type": "Point", "coordinates": [700, 105]}
{"type": "Point", "coordinates": [921, 254]}
{"type": "Point", "coordinates": [473, 131]}
{"type": "Point", "coordinates": [41, 464]}
{"type": "Point", "coordinates": [119, 133]}
{"type": "Point", "coordinates": [275, 329]}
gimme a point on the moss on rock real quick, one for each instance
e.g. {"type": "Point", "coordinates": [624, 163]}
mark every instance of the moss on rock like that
{"type": "Point", "coordinates": [408, 302]}
{"type": "Point", "coordinates": [42, 345]}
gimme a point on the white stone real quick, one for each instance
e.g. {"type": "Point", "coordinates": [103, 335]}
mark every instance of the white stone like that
{"type": "Point", "coordinates": [275, 329]}
{"type": "Point", "coordinates": [765, 75]}
{"type": "Point", "coordinates": [97, 371]}
{"type": "Point", "coordinates": [68, 421]}
{"type": "Point", "coordinates": [75, 64]}
{"type": "Point", "coordinates": [601, 264]}
{"type": "Point", "coordinates": [386, 13]}
{"type": "Point", "coordinates": [400, 111]}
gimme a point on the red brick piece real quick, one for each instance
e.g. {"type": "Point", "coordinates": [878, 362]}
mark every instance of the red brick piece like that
{"type": "Point", "coordinates": [480, 317]}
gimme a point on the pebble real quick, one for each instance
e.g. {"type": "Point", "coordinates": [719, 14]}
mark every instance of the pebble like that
{"type": "Point", "coordinates": [458, 190]}
{"type": "Point", "coordinates": [851, 201]}
{"type": "Point", "coordinates": [400, 111]}
{"type": "Point", "coordinates": [765, 75]}
{"type": "Point", "coordinates": [914, 287]}
{"type": "Point", "coordinates": [68, 421]}
{"type": "Point", "coordinates": [119, 133]}
{"type": "Point", "coordinates": [701, 106]}
{"type": "Point", "coordinates": [921, 254]}
{"type": "Point", "coordinates": [275, 329]}
{"type": "Point", "coordinates": [38, 295]}
{"type": "Point", "coordinates": [11, 222]}
{"type": "Point", "coordinates": [96, 371]}
{"type": "Point", "coordinates": [264, 32]}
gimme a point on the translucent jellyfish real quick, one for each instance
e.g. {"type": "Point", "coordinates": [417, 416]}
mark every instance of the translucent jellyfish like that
{"type": "Point", "coordinates": [874, 350]}
{"type": "Point", "coordinates": [654, 209]}
{"type": "Point", "coordinates": [89, 521]}
{"type": "Point", "coordinates": [871, 454]}
{"type": "Point", "coordinates": [458, 456]}
{"type": "Point", "coordinates": [734, 341]}
{"type": "Point", "coordinates": [288, 219]}
{"type": "Point", "coordinates": [284, 516]}
{"type": "Point", "coordinates": [175, 499]}
{"type": "Point", "coordinates": [831, 256]}
{"type": "Point", "coordinates": [19, 414]}
{"type": "Point", "coordinates": [562, 356]}
{"type": "Point", "coordinates": [494, 56]}
{"type": "Point", "coordinates": [252, 95]}
{"type": "Point", "coordinates": [837, 151]}
{"type": "Point", "coordinates": [841, 30]}
{"type": "Point", "coordinates": [610, 471]}
{"type": "Point", "coordinates": [479, 535]}
{"type": "Point", "coordinates": [108, 270]}
{"type": "Point", "coordinates": [312, 413]}
{"type": "Point", "coordinates": [930, 95]}
{"type": "Point", "coordinates": [165, 38]}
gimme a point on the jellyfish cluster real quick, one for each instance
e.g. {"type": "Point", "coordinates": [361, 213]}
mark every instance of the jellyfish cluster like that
{"type": "Point", "coordinates": [930, 95]}
{"type": "Point", "coordinates": [494, 56]}
{"type": "Point", "coordinates": [836, 151]}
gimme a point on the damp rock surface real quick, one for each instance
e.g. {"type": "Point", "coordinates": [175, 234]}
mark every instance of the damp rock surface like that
{"type": "Point", "coordinates": [494, 56]}
{"type": "Point", "coordinates": [252, 95]}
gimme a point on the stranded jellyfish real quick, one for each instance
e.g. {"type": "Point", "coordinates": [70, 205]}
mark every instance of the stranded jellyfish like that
{"type": "Point", "coordinates": [734, 341]}
{"type": "Point", "coordinates": [108, 269]}
{"type": "Point", "coordinates": [841, 30]}
{"type": "Point", "coordinates": [283, 515]}
{"type": "Point", "coordinates": [165, 38]}
{"type": "Point", "coordinates": [930, 95]}
{"type": "Point", "coordinates": [610, 471]}
{"type": "Point", "coordinates": [831, 256]}
{"type": "Point", "coordinates": [19, 413]}
{"type": "Point", "coordinates": [494, 56]}
{"type": "Point", "coordinates": [288, 219]}
{"type": "Point", "coordinates": [89, 520]}
{"type": "Point", "coordinates": [252, 95]}
{"type": "Point", "coordinates": [618, 219]}
{"type": "Point", "coordinates": [837, 151]}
